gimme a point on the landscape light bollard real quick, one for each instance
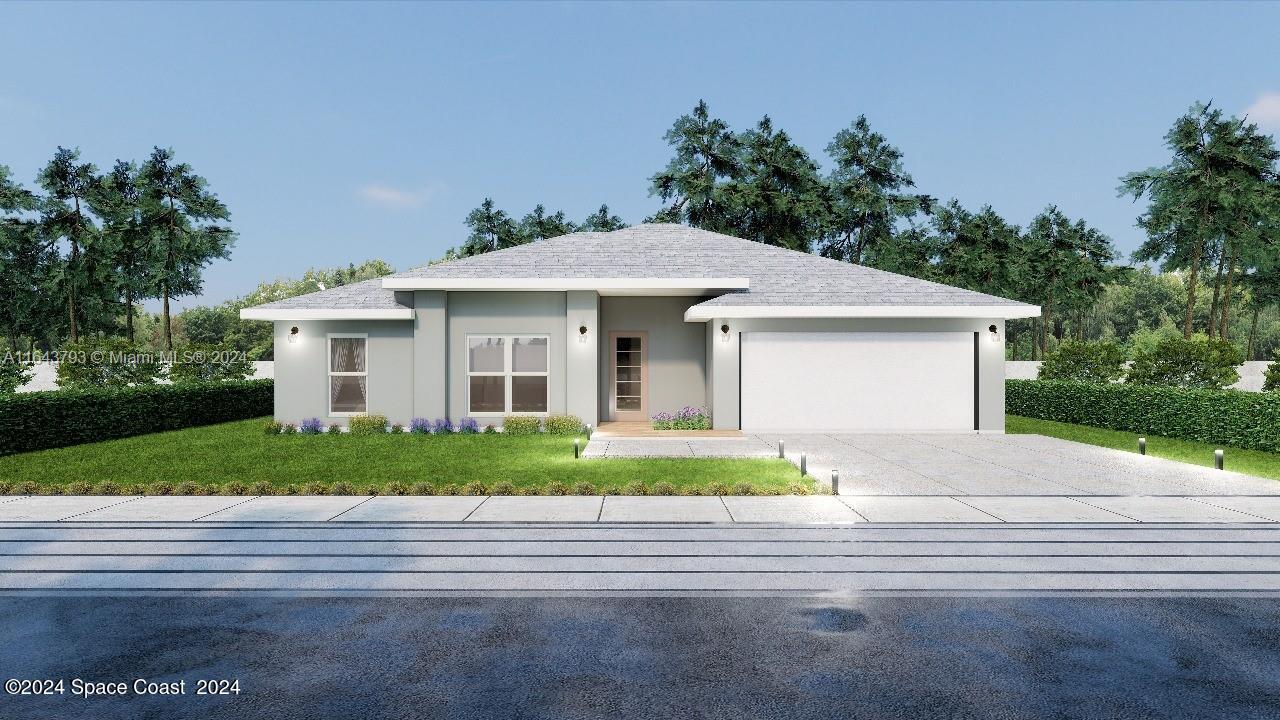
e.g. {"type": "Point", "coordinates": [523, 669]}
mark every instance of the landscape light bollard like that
{"type": "Point", "coordinates": [835, 482]}
{"type": "Point", "coordinates": [1142, 446]}
{"type": "Point", "coordinates": [804, 470]}
{"type": "Point", "coordinates": [575, 448]}
{"type": "Point", "coordinates": [782, 452]}
{"type": "Point", "coordinates": [1217, 459]}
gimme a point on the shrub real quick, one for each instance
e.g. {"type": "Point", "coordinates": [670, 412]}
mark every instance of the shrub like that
{"type": "Point", "coordinates": [1196, 363]}
{"type": "Point", "coordinates": [106, 487]}
{"type": "Point", "coordinates": [420, 426]}
{"type": "Point", "coordinates": [664, 488]}
{"type": "Point", "coordinates": [40, 420]}
{"type": "Point", "coordinates": [490, 429]}
{"type": "Point", "coordinates": [79, 487]}
{"type": "Point", "coordinates": [262, 487]}
{"type": "Point", "coordinates": [135, 489]}
{"type": "Point", "coordinates": [342, 487]}
{"type": "Point", "coordinates": [187, 487]}
{"type": "Point", "coordinates": [423, 488]}
{"type": "Point", "coordinates": [504, 488]}
{"type": "Point", "coordinates": [717, 488]}
{"type": "Point", "coordinates": [743, 488]}
{"type": "Point", "coordinates": [335, 429]}
{"type": "Point", "coordinates": [474, 488]}
{"type": "Point", "coordinates": [397, 428]}
{"type": "Point", "coordinates": [311, 426]}
{"type": "Point", "coordinates": [636, 488]}
{"type": "Point", "coordinates": [564, 425]}
{"type": "Point", "coordinates": [555, 488]}
{"type": "Point", "coordinates": [396, 488]}
{"type": "Point", "coordinates": [448, 489]}
{"type": "Point", "coordinates": [6, 487]}
{"type": "Point", "coordinates": [1271, 376]}
{"type": "Point", "coordinates": [801, 489]}
{"type": "Point", "coordinates": [442, 426]}
{"type": "Point", "coordinates": [106, 363]}
{"type": "Point", "coordinates": [290, 489]}
{"type": "Point", "coordinates": [14, 373]}
{"type": "Point", "coordinates": [521, 425]}
{"type": "Point", "coordinates": [1232, 418]}
{"type": "Point", "coordinates": [209, 363]}
{"type": "Point", "coordinates": [315, 488]}
{"type": "Point", "coordinates": [374, 490]}
{"type": "Point", "coordinates": [1097, 362]}
{"type": "Point", "coordinates": [271, 427]}
{"type": "Point", "coordinates": [160, 487]}
{"type": "Point", "coordinates": [29, 487]}
{"type": "Point", "coordinates": [468, 426]}
{"type": "Point", "coordinates": [688, 418]}
{"type": "Point", "coordinates": [210, 489]}
{"type": "Point", "coordinates": [584, 488]}
{"type": "Point", "coordinates": [288, 429]}
{"type": "Point", "coordinates": [236, 487]}
{"type": "Point", "coordinates": [368, 425]}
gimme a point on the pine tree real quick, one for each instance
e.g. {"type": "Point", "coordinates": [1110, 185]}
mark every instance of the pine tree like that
{"type": "Point", "coordinates": [779, 198]}
{"type": "Point", "coordinates": [65, 220]}
{"type": "Point", "coordinates": [707, 156]}
{"type": "Point", "coordinates": [118, 202]}
{"type": "Point", "coordinates": [491, 229]}
{"type": "Point", "coordinates": [602, 220]}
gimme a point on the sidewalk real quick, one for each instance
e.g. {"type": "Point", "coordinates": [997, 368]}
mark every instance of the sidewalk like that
{"type": "Point", "coordinates": [628, 509]}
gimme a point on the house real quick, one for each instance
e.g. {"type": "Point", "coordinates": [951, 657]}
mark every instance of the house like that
{"type": "Point", "coordinates": [615, 326]}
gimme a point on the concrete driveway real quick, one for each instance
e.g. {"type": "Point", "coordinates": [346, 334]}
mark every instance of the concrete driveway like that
{"type": "Point", "coordinates": [972, 464]}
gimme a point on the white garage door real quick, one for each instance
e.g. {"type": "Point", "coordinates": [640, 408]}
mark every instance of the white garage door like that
{"type": "Point", "coordinates": [857, 381]}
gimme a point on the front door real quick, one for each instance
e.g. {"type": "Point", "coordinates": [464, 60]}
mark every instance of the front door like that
{"type": "Point", "coordinates": [629, 376]}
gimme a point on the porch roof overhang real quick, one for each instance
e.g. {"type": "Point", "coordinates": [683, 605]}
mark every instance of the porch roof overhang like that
{"type": "Point", "coordinates": [700, 313]}
{"type": "Point", "coordinates": [267, 313]}
{"type": "Point", "coordinates": [604, 286]}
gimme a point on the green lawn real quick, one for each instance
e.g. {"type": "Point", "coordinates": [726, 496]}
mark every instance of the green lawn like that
{"type": "Point", "coordinates": [239, 452]}
{"type": "Point", "coordinates": [1251, 462]}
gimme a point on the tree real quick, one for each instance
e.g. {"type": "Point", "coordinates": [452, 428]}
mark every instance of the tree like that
{"type": "Point", "coordinates": [975, 250]}
{"type": "Point", "coordinates": [65, 220]}
{"type": "Point", "coordinates": [602, 221]}
{"type": "Point", "coordinates": [1063, 265]}
{"type": "Point", "coordinates": [538, 225]}
{"type": "Point", "coordinates": [491, 229]}
{"type": "Point", "coordinates": [117, 201]}
{"type": "Point", "coordinates": [1186, 363]}
{"type": "Point", "coordinates": [779, 198]}
{"type": "Point", "coordinates": [1202, 202]}
{"type": "Point", "coordinates": [866, 187]}
{"type": "Point", "coordinates": [15, 372]}
{"type": "Point", "coordinates": [707, 156]}
{"type": "Point", "coordinates": [181, 216]}
{"type": "Point", "coordinates": [1093, 362]}
{"type": "Point", "coordinates": [27, 266]}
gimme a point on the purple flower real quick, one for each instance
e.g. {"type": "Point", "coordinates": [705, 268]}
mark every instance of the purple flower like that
{"type": "Point", "coordinates": [468, 426]}
{"type": "Point", "coordinates": [311, 426]}
{"type": "Point", "coordinates": [420, 426]}
{"type": "Point", "coordinates": [442, 425]}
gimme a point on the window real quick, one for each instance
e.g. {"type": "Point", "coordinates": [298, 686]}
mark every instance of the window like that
{"type": "Point", "coordinates": [507, 374]}
{"type": "Point", "coordinates": [348, 374]}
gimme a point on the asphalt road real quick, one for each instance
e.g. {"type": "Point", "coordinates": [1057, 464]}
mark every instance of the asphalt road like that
{"type": "Point", "coordinates": [679, 657]}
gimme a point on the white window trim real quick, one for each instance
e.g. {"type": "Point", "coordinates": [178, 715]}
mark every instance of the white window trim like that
{"type": "Point", "coordinates": [508, 347]}
{"type": "Point", "coordinates": [330, 374]}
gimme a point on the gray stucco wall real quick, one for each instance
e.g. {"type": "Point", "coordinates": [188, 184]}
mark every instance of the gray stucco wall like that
{"type": "Point", "coordinates": [301, 369]}
{"type": "Point", "coordinates": [505, 313]}
{"type": "Point", "coordinates": [677, 354]}
{"type": "Point", "coordinates": [430, 354]}
{"type": "Point", "coordinates": [725, 361]}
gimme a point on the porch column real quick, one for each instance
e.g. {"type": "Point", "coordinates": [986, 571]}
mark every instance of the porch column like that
{"type": "Point", "coordinates": [430, 355]}
{"type": "Point", "coordinates": [582, 365]}
{"type": "Point", "coordinates": [723, 375]}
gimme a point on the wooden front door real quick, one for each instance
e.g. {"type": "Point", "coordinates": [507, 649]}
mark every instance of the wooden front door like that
{"type": "Point", "coordinates": [628, 376]}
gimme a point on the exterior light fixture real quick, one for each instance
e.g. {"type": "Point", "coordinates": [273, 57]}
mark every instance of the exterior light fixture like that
{"type": "Point", "coordinates": [293, 334]}
{"type": "Point", "coordinates": [575, 448]}
{"type": "Point", "coordinates": [1217, 459]}
{"type": "Point", "coordinates": [724, 333]}
{"type": "Point", "coordinates": [582, 333]}
{"type": "Point", "coordinates": [1142, 446]}
{"type": "Point", "coordinates": [995, 333]}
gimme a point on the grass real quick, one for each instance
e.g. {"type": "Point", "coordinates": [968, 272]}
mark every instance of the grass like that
{"type": "Point", "coordinates": [239, 452]}
{"type": "Point", "coordinates": [1250, 462]}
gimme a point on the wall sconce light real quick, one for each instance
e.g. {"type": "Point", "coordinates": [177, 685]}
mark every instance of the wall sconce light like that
{"type": "Point", "coordinates": [724, 333]}
{"type": "Point", "coordinates": [995, 333]}
{"type": "Point", "coordinates": [293, 334]}
{"type": "Point", "coordinates": [582, 333]}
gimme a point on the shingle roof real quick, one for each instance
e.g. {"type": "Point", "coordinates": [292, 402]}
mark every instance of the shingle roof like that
{"type": "Point", "coordinates": [777, 276]}
{"type": "Point", "coordinates": [363, 295]}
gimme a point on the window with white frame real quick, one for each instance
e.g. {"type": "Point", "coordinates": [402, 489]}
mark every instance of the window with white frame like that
{"type": "Point", "coordinates": [348, 374]}
{"type": "Point", "coordinates": [507, 374]}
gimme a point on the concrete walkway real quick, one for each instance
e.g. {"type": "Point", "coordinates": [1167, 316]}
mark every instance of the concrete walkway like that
{"type": "Point", "coordinates": [626, 509]}
{"type": "Point", "coordinates": [959, 464]}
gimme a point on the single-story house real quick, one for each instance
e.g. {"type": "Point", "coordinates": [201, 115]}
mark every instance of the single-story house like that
{"type": "Point", "coordinates": [618, 326]}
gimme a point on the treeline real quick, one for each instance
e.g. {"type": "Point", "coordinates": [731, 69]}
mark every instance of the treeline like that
{"type": "Point", "coordinates": [80, 252]}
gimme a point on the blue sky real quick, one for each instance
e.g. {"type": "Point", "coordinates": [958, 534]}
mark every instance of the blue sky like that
{"type": "Point", "coordinates": [339, 132]}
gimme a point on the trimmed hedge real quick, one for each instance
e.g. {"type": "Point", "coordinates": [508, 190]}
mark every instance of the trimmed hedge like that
{"type": "Point", "coordinates": [58, 418]}
{"type": "Point", "coordinates": [1223, 417]}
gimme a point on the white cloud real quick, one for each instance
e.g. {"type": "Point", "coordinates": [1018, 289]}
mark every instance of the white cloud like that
{"type": "Point", "coordinates": [403, 198]}
{"type": "Point", "coordinates": [1266, 110]}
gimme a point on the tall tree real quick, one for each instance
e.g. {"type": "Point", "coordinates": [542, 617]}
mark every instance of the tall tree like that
{"type": "Point", "coordinates": [26, 265]}
{"type": "Point", "coordinates": [707, 156]}
{"type": "Point", "coordinates": [118, 202]}
{"type": "Point", "coordinates": [975, 250]}
{"type": "Point", "coordinates": [491, 229]}
{"type": "Point", "coordinates": [65, 221]}
{"type": "Point", "coordinates": [1195, 201]}
{"type": "Point", "coordinates": [182, 217]}
{"type": "Point", "coordinates": [868, 196]}
{"type": "Point", "coordinates": [779, 198]}
{"type": "Point", "coordinates": [538, 225]}
{"type": "Point", "coordinates": [602, 220]}
{"type": "Point", "coordinates": [1063, 265]}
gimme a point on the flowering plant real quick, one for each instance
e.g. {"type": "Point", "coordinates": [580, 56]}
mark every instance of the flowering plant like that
{"type": "Point", "coordinates": [468, 426]}
{"type": "Point", "coordinates": [420, 426]}
{"type": "Point", "coordinates": [687, 418]}
{"type": "Point", "coordinates": [442, 425]}
{"type": "Point", "coordinates": [311, 426]}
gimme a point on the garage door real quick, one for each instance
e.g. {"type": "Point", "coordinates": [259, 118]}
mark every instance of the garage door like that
{"type": "Point", "coordinates": [857, 381]}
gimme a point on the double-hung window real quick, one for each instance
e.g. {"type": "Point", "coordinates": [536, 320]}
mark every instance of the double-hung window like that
{"type": "Point", "coordinates": [348, 374]}
{"type": "Point", "coordinates": [507, 374]}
